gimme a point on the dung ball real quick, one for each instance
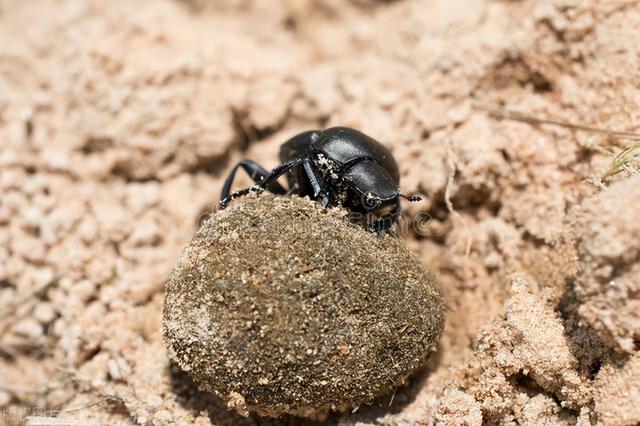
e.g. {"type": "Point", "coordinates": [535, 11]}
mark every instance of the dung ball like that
{"type": "Point", "coordinates": [281, 306]}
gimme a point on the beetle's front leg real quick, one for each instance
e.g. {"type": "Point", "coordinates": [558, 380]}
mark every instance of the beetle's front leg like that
{"type": "Point", "coordinates": [319, 188]}
{"type": "Point", "coordinates": [276, 173]}
{"type": "Point", "coordinates": [256, 172]}
{"type": "Point", "coordinates": [267, 182]}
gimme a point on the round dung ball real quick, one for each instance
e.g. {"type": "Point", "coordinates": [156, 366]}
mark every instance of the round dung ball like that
{"type": "Point", "coordinates": [281, 306]}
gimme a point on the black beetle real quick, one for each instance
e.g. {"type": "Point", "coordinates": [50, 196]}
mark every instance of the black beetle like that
{"type": "Point", "coordinates": [338, 166]}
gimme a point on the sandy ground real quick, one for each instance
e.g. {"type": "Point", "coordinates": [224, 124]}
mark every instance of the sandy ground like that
{"type": "Point", "coordinates": [118, 124]}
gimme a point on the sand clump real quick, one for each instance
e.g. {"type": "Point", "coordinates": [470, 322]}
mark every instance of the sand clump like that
{"type": "Point", "coordinates": [608, 286]}
{"type": "Point", "coordinates": [518, 373]}
{"type": "Point", "coordinates": [561, 349]}
{"type": "Point", "coordinates": [279, 306]}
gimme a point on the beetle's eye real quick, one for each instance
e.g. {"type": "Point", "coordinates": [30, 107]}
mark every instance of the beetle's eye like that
{"type": "Point", "coordinates": [370, 202]}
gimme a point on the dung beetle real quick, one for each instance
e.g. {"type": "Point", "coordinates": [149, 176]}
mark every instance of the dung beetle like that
{"type": "Point", "coordinates": [338, 166]}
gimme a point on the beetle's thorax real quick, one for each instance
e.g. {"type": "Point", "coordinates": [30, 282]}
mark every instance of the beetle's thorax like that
{"type": "Point", "coordinates": [332, 174]}
{"type": "Point", "coordinates": [328, 168]}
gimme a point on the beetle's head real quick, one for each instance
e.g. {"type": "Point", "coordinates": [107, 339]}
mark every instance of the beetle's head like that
{"type": "Point", "coordinates": [372, 186]}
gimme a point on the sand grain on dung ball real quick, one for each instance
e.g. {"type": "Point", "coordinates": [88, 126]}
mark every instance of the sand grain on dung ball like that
{"type": "Point", "coordinates": [279, 305]}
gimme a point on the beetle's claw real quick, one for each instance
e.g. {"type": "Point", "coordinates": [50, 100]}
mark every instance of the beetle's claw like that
{"type": "Point", "coordinates": [257, 189]}
{"type": "Point", "coordinates": [225, 201]}
{"type": "Point", "coordinates": [324, 197]}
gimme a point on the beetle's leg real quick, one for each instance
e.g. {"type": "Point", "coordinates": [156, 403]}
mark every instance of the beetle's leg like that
{"type": "Point", "coordinates": [255, 172]}
{"type": "Point", "coordinates": [319, 190]}
{"type": "Point", "coordinates": [298, 146]}
{"type": "Point", "coordinates": [268, 182]}
{"type": "Point", "coordinates": [272, 178]}
{"type": "Point", "coordinates": [240, 193]}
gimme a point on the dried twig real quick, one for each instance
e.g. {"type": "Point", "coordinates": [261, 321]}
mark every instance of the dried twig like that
{"type": "Point", "coordinates": [447, 193]}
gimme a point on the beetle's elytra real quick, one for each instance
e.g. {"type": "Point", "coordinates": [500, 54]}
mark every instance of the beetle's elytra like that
{"type": "Point", "coordinates": [338, 166]}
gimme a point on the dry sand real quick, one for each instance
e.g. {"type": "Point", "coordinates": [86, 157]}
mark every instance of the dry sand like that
{"type": "Point", "coordinates": [119, 122]}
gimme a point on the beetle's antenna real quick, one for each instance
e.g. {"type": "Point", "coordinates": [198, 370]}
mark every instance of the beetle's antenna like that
{"type": "Point", "coordinates": [412, 198]}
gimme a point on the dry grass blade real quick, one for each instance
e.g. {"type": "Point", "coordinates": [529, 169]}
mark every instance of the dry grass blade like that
{"type": "Point", "coordinates": [627, 161]}
{"type": "Point", "coordinates": [54, 421]}
{"type": "Point", "coordinates": [527, 118]}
